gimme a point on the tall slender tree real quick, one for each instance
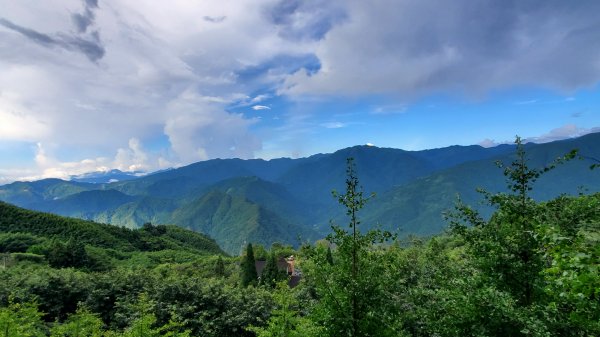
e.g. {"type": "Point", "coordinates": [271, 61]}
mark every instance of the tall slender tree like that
{"type": "Point", "coordinates": [249, 275]}
{"type": "Point", "coordinates": [351, 299]}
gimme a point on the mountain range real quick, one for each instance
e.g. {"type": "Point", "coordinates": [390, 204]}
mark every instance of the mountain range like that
{"type": "Point", "coordinates": [109, 176]}
{"type": "Point", "coordinates": [287, 200]}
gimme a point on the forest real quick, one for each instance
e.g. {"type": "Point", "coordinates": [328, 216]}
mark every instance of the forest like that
{"type": "Point", "coordinates": [530, 269]}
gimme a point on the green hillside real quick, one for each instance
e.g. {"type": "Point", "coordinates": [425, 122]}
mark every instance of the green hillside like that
{"type": "Point", "coordinates": [234, 221]}
{"type": "Point", "coordinates": [272, 196]}
{"type": "Point", "coordinates": [142, 210]}
{"type": "Point", "coordinates": [48, 226]}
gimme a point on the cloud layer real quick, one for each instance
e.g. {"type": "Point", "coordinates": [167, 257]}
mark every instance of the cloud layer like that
{"type": "Point", "coordinates": [153, 83]}
{"type": "Point", "coordinates": [416, 47]}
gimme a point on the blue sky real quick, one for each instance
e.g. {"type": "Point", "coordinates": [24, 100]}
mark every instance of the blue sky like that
{"type": "Point", "coordinates": [92, 85]}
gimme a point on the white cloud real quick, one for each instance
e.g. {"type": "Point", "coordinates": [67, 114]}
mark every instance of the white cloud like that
{"type": "Point", "coordinates": [260, 98]}
{"type": "Point", "coordinates": [156, 55]}
{"type": "Point", "coordinates": [47, 165]}
{"type": "Point", "coordinates": [134, 158]}
{"type": "Point", "coordinates": [260, 107]}
{"type": "Point", "coordinates": [418, 47]}
{"type": "Point", "coordinates": [202, 131]}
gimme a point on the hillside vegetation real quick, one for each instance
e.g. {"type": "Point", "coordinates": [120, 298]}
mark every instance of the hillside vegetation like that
{"type": "Point", "coordinates": [48, 227]}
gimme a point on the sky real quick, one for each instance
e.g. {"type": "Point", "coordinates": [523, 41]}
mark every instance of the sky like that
{"type": "Point", "coordinates": [93, 85]}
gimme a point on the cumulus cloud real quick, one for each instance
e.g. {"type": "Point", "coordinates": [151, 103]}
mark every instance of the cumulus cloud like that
{"type": "Point", "coordinates": [154, 59]}
{"type": "Point", "coordinates": [128, 159]}
{"type": "Point", "coordinates": [200, 131]}
{"type": "Point", "coordinates": [203, 135]}
{"type": "Point", "coordinates": [48, 166]}
{"type": "Point", "coordinates": [134, 158]}
{"type": "Point", "coordinates": [468, 47]}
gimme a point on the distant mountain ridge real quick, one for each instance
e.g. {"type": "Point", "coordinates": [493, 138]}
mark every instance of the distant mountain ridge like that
{"type": "Point", "coordinates": [101, 177]}
{"type": "Point", "coordinates": [289, 200]}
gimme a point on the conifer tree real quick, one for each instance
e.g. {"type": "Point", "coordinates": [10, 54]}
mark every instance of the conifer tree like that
{"type": "Point", "coordinates": [329, 256]}
{"type": "Point", "coordinates": [249, 276]}
{"type": "Point", "coordinates": [271, 274]}
{"type": "Point", "coordinates": [351, 298]}
{"type": "Point", "coordinates": [219, 267]}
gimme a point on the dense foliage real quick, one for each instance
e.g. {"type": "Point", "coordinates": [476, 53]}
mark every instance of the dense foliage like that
{"type": "Point", "coordinates": [529, 269]}
{"type": "Point", "coordinates": [22, 222]}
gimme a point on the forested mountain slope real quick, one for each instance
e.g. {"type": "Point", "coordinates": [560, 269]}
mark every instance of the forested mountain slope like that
{"type": "Point", "coordinates": [238, 201]}
{"type": "Point", "coordinates": [48, 226]}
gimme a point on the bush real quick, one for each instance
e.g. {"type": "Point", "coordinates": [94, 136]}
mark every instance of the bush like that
{"type": "Point", "coordinates": [28, 257]}
{"type": "Point", "coordinates": [17, 242]}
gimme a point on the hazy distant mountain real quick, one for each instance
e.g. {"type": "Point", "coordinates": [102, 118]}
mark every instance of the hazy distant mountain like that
{"type": "Point", "coordinates": [103, 177]}
{"type": "Point", "coordinates": [287, 200]}
{"type": "Point", "coordinates": [27, 193]}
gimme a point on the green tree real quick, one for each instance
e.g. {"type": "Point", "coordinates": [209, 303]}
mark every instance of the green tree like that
{"type": "Point", "coordinates": [507, 247]}
{"type": "Point", "coordinates": [144, 322]}
{"type": "Point", "coordinates": [249, 276]}
{"type": "Point", "coordinates": [329, 256]}
{"type": "Point", "coordinates": [507, 250]}
{"type": "Point", "coordinates": [71, 254]}
{"type": "Point", "coordinates": [271, 274]}
{"type": "Point", "coordinates": [351, 297]}
{"type": "Point", "coordinates": [80, 324]}
{"type": "Point", "coordinates": [219, 267]}
{"type": "Point", "coordinates": [21, 320]}
{"type": "Point", "coordinates": [17, 242]}
{"type": "Point", "coordinates": [286, 319]}
{"type": "Point", "coordinates": [572, 248]}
